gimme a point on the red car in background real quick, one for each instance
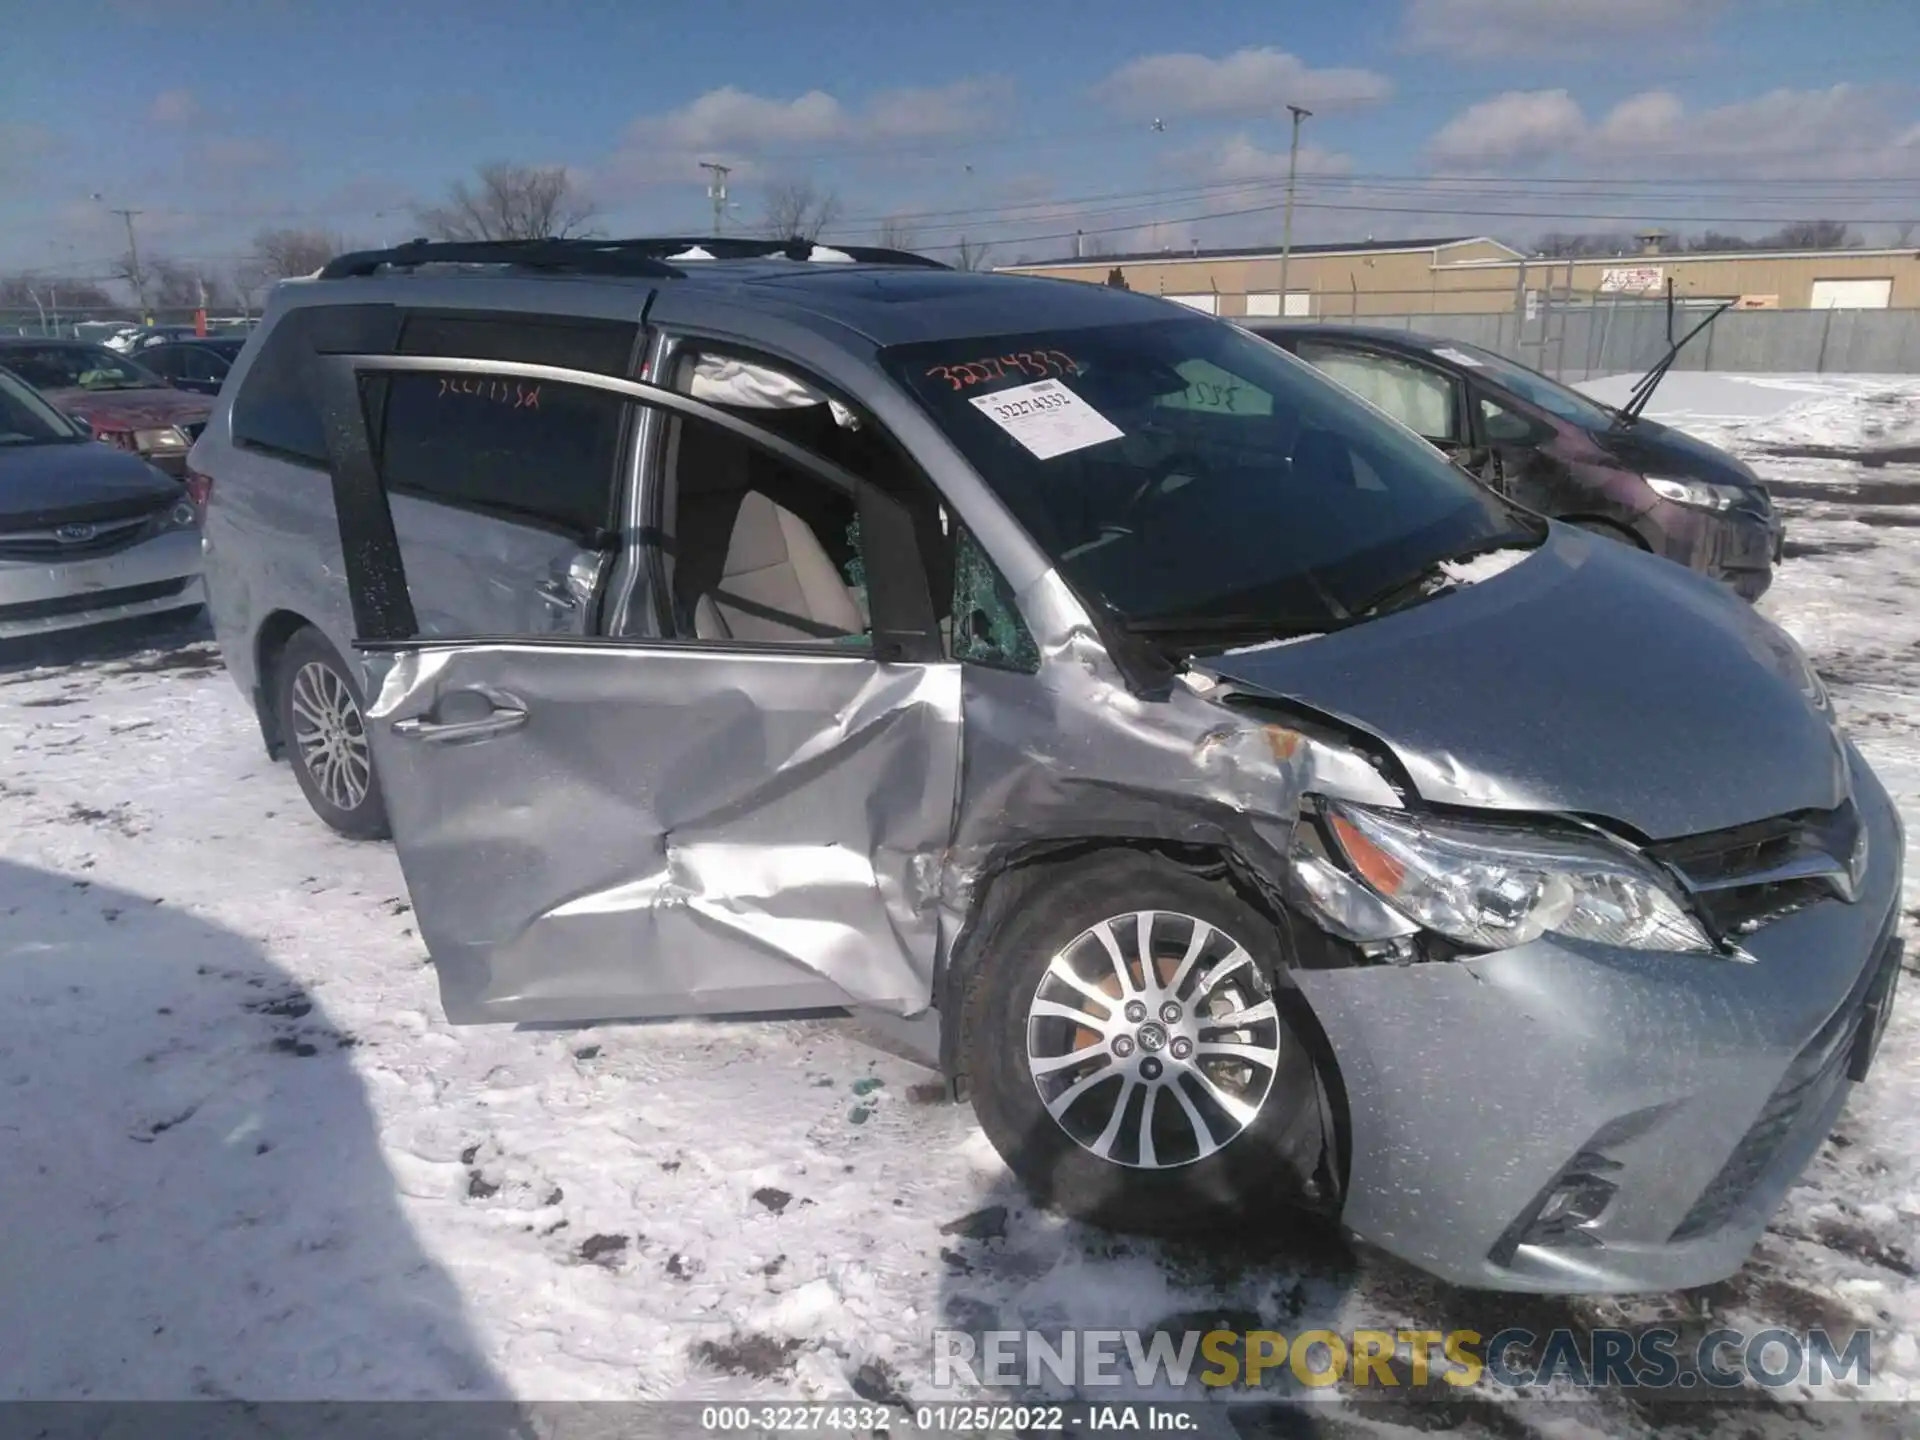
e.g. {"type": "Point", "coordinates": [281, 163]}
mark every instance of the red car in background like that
{"type": "Point", "coordinates": [120, 400]}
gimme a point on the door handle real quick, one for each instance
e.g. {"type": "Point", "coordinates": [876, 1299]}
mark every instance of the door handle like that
{"type": "Point", "coordinates": [503, 719]}
{"type": "Point", "coordinates": [555, 593]}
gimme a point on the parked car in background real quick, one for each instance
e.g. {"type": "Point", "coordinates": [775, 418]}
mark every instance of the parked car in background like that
{"type": "Point", "coordinates": [123, 402]}
{"type": "Point", "coordinates": [144, 340]}
{"type": "Point", "coordinates": [114, 334]}
{"type": "Point", "coordinates": [193, 364]}
{"type": "Point", "coordinates": [1557, 451]}
{"type": "Point", "coordinates": [88, 533]}
{"type": "Point", "coordinates": [1256, 810]}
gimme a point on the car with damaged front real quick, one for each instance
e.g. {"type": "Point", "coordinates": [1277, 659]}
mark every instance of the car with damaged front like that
{"type": "Point", "coordinates": [1244, 807]}
{"type": "Point", "coordinates": [121, 401]}
{"type": "Point", "coordinates": [88, 533]}
{"type": "Point", "coordinates": [1607, 469]}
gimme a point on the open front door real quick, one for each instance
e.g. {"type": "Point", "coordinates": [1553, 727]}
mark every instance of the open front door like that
{"type": "Point", "coordinates": [625, 828]}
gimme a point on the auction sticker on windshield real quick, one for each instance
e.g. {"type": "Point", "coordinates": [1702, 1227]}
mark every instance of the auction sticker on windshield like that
{"type": "Point", "coordinates": [1047, 418]}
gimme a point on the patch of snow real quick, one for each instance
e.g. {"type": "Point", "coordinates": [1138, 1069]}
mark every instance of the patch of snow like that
{"type": "Point", "coordinates": [1482, 567]}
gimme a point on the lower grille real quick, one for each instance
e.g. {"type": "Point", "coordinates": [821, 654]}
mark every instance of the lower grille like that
{"type": "Point", "coordinates": [1809, 1082]}
{"type": "Point", "coordinates": [94, 600]}
{"type": "Point", "coordinates": [46, 546]}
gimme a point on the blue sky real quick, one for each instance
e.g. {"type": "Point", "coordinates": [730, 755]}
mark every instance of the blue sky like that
{"type": "Point", "coordinates": [1004, 122]}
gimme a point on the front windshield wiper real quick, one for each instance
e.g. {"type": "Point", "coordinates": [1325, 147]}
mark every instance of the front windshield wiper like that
{"type": "Point", "coordinates": [1426, 582]}
{"type": "Point", "coordinates": [1643, 389]}
{"type": "Point", "coordinates": [1231, 627]}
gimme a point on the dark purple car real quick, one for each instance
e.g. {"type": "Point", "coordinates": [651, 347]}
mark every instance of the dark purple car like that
{"type": "Point", "coordinates": [1559, 452]}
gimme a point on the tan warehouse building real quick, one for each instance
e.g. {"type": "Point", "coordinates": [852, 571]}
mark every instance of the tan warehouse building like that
{"type": "Point", "coordinates": [1477, 274]}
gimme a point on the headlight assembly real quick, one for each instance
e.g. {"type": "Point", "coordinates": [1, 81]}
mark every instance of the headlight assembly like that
{"type": "Point", "coordinates": [168, 437]}
{"type": "Point", "coordinates": [1492, 887]}
{"type": "Point", "coordinates": [183, 516]}
{"type": "Point", "coordinates": [1697, 494]}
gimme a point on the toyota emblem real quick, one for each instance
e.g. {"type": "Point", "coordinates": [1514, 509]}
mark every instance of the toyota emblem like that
{"type": "Point", "coordinates": [74, 534]}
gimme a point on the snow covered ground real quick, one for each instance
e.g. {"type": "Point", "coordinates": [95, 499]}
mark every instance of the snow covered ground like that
{"type": "Point", "coordinates": [241, 1154]}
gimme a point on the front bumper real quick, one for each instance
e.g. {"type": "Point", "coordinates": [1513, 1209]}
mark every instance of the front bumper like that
{"type": "Point", "coordinates": [149, 578]}
{"type": "Point", "coordinates": [1737, 547]}
{"type": "Point", "coordinates": [1699, 1087]}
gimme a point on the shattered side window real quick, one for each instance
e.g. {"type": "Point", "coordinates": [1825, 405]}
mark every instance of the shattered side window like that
{"type": "Point", "coordinates": [987, 628]}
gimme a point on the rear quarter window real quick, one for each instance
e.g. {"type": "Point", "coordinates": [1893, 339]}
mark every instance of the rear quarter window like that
{"type": "Point", "coordinates": [276, 409]}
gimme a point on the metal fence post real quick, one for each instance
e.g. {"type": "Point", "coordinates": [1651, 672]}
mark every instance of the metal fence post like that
{"type": "Point", "coordinates": [1826, 329]}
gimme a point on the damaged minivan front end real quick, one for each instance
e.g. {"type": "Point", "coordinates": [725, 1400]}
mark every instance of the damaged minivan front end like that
{"type": "Point", "coordinates": [1257, 811]}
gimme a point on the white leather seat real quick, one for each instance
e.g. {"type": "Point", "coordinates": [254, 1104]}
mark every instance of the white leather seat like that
{"type": "Point", "coordinates": [775, 564]}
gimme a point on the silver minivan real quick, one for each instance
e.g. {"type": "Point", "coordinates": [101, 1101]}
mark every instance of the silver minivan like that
{"type": "Point", "coordinates": [1241, 804]}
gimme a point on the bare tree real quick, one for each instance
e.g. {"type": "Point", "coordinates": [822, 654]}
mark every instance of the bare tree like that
{"type": "Point", "coordinates": [897, 234]}
{"type": "Point", "coordinates": [511, 202]}
{"type": "Point", "coordinates": [1579, 244]}
{"type": "Point", "coordinates": [1715, 241]}
{"type": "Point", "coordinates": [798, 209]}
{"type": "Point", "coordinates": [55, 292]}
{"type": "Point", "coordinates": [284, 254]}
{"type": "Point", "coordinates": [1812, 235]}
{"type": "Point", "coordinates": [970, 254]}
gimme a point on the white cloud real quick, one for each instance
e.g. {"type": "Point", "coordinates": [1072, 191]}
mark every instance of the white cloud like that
{"type": "Point", "coordinates": [1249, 82]}
{"type": "Point", "coordinates": [1240, 157]}
{"type": "Point", "coordinates": [174, 107]}
{"type": "Point", "coordinates": [1842, 132]}
{"type": "Point", "coordinates": [1515, 128]}
{"type": "Point", "coordinates": [743, 128]}
{"type": "Point", "coordinates": [1504, 29]}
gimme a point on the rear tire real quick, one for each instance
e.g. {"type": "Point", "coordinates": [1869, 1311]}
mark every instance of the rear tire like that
{"type": "Point", "coordinates": [1145, 1124]}
{"type": "Point", "coordinates": [319, 706]}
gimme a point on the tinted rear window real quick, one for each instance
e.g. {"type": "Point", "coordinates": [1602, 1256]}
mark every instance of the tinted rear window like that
{"type": "Point", "coordinates": [276, 409]}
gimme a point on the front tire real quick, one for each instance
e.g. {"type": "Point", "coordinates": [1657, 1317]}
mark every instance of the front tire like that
{"type": "Point", "coordinates": [1130, 1042]}
{"type": "Point", "coordinates": [320, 710]}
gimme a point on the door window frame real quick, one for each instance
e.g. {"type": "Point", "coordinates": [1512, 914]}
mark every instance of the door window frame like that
{"type": "Point", "coordinates": [654, 472]}
{"type": "Point", "coordinates": [904, 626]}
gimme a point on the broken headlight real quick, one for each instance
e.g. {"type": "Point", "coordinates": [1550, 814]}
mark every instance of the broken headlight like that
{"type": "Point", "coordinates": [1492, 887]}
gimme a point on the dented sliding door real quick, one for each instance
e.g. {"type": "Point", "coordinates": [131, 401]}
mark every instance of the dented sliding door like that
{"type": "Point", "coordinates": [597, 829]}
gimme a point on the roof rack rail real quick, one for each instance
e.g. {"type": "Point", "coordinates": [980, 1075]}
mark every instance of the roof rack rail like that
{"type": "Point", "coordinates": [579, 257]}
{"type": "Point", "coordinates": [646, 257]}
{"type": "Point", "coordinates": [741, 247]}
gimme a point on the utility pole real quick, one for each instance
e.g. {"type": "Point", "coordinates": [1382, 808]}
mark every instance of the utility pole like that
{"type": "Point", "coordinates": [717, 190]}
{"type": "Point", "coordinates": [1286, 225]}
{"type": "Point", "coordinates": [133, 264]}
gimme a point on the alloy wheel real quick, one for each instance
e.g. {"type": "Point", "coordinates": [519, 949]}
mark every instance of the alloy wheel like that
{"type": "Point", "coordinates": [330, 736]}
{"type": "Point", "coordinates": [1153, 1039]}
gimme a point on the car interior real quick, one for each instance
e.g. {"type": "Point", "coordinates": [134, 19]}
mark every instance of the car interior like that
{"type": "Point", "coordinates": [757, 550]}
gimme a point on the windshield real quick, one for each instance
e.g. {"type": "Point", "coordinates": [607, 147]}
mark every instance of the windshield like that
{"type": "Point", "coordinates": [77, 367]}
{"type": "Point", "coordinates": [1182, 471]}
{"type": "Point", "coordinates": [1535, 388]}
{"type": "Point", "coordinates": [27, 419]}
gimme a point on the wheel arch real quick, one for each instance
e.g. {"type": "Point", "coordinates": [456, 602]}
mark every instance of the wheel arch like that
{"type": "Point", "coordinates": [269, 642]}
{"type": "Point", "coordinates": [1017, 870]}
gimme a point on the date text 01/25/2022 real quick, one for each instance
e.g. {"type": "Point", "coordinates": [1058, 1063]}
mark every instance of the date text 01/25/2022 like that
{"type": "Point", "coordinates": [956, 1420]}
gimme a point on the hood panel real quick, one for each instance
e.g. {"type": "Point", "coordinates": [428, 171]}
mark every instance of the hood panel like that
{"type": "Point", "coordinates": [43, 485]}
{"type": "Point", "coordinates": [132, 409]}
{"type": "Point", "coordinates": [1654, 449]}
{"type": "Point", "coordinates": [1591, 678]}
